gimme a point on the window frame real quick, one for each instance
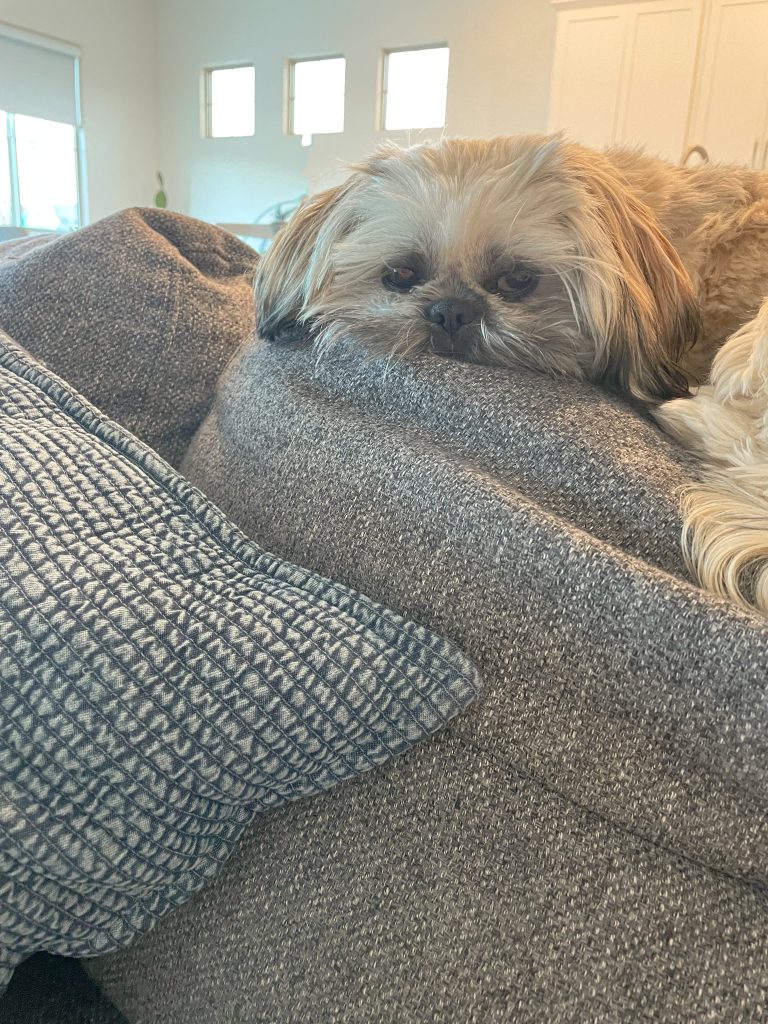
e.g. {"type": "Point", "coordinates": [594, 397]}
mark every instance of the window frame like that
{"type": "Point", "coordinates": [9, 131]}
{"type": "Point", "coordinates": [381, 119]}
{"type": "Point", "coordinates": [207, 105]}
{"type": "Point", "coordinates": [290, 93]}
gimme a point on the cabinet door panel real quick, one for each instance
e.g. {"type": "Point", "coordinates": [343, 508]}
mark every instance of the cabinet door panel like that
{"type": "Point", "coordinates": [587, 77]}
{"type": "Point", "coordinates": [733, 94]}
{"type": "Point", "coordinates": [659, 79]}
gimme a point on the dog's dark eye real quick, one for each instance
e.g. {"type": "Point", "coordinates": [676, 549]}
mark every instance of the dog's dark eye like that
{"type": "Point", "coordinates": [517, 283]}
{"type": "Point", "coordinates": [400, 279]}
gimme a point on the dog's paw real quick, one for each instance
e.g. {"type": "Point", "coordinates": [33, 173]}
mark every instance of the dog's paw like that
{"type": "Point", "coordinates": [740, 368]}
{"type": "Point", "coordinates": [718, 433]}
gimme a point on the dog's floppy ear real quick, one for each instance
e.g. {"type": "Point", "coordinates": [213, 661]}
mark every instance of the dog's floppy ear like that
{"type": "Point", "coordinates": [640, 308]}
{"type": "Point", "coordinates": [293, 270]}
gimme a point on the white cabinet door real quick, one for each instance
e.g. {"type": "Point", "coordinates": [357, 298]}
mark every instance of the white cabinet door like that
{"type": "Point", "coordinates": [624, 72]}
{"type": "Point", "coordinates": [586, 82]}
{"type": "Point", "coordinates": [731, 101]}
{"type": "Point", "coordinates": [660, 69]}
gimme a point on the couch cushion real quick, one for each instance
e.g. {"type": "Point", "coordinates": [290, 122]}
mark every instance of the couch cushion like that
{"type": "Point", "coordinates": [162, 679]}
{"type": "Point", "coordinates": [140, 312]}
{"type": "Point", "coordinates": [589, 842]}
{"type": "Point", "coordinates": [537, 523]}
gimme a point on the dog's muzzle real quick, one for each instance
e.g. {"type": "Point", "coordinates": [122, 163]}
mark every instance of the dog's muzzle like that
{"type": "Point", "coordinates": [451, 315]}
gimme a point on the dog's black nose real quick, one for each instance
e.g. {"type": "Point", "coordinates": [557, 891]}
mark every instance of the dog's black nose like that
{"type": "Point", "coordinates": [453, 314]}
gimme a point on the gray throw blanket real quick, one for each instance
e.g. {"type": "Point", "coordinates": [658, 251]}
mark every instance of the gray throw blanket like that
{"type": "Point", "coordinates": [590, 842]}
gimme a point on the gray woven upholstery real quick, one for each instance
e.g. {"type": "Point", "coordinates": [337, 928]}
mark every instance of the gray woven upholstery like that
{"type": "Point", "coordinates": [162, 679]}
{"type": "Point", "coordinates": [589, 843]}
{"type": "Point", "coordinates": [139, 312]}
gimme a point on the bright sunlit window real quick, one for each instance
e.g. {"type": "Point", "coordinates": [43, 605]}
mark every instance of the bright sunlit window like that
{"type": "Point", "coordinates": [32, 193]}
{"type": "Point", "coordinates": [415, 88]}
{"type": "Point", "coordinates": [42, 171]}
{"type": "Point", "coordinates": [316, 97]}
{"type": "Point", "coordinates": [6, 205]}
{"type": "Point", "coordinates": [231, 102]}
{"type": "Point", "coordinates": [47, 200]}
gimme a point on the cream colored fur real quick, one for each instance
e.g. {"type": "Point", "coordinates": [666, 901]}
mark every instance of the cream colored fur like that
{"type": "Point", "coordinates": [726, 425]}
{"type": "Point", "coordinates": [642, 270]}
{"type": "Point", "coordinates": [717, 218]}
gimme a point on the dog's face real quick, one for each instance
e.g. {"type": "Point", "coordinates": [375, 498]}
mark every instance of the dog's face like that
{"type": "Point", "coordinates": [520, 251]}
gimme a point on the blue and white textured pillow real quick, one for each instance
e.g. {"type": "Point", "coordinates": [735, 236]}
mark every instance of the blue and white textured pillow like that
{"type": "Point", "coordinates": [163, 679]}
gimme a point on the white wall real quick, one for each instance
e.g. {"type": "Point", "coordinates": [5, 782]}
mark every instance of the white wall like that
{"type": "Point", "coordinates": [119, 89]}
{"type": "Point", "coordinates": [500, 66]}
{"type": "Point", "coordinates": [142, 63]}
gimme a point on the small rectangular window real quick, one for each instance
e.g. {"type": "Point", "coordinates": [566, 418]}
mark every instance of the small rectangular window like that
{"type": "Point", "coordinates": [415, 88]}
{"type": "Point", "coordinates": [316, 96]}
{"type": "Point", "coordinates": [230, 102]}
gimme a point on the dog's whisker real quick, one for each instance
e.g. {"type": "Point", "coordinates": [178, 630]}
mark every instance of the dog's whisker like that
{"type": "Point", "coordinates": [569, 289]}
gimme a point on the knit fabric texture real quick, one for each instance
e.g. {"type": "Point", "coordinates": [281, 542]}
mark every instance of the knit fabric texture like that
{"type": "Point", "coordinates": [139, 312]}
{"type": "Point", "coordinates": [162, 679]}
{"type": "Point", "coordinates": [588, 844]}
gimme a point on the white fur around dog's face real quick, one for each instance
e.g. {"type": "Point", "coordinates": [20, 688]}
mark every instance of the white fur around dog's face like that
{"type": "Point", "coordinates": [597, 290]}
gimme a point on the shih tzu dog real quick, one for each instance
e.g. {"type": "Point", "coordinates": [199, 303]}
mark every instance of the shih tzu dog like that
{"type": "Point", "coordinates": [532, 251]}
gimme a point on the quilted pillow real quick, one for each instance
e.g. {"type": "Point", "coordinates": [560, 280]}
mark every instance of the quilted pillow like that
{"type": "Point", "coordinates": [162, 679]}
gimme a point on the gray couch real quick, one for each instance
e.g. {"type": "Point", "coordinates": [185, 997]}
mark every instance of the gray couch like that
{"type": "Point", "coordinates": [588, 843]}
